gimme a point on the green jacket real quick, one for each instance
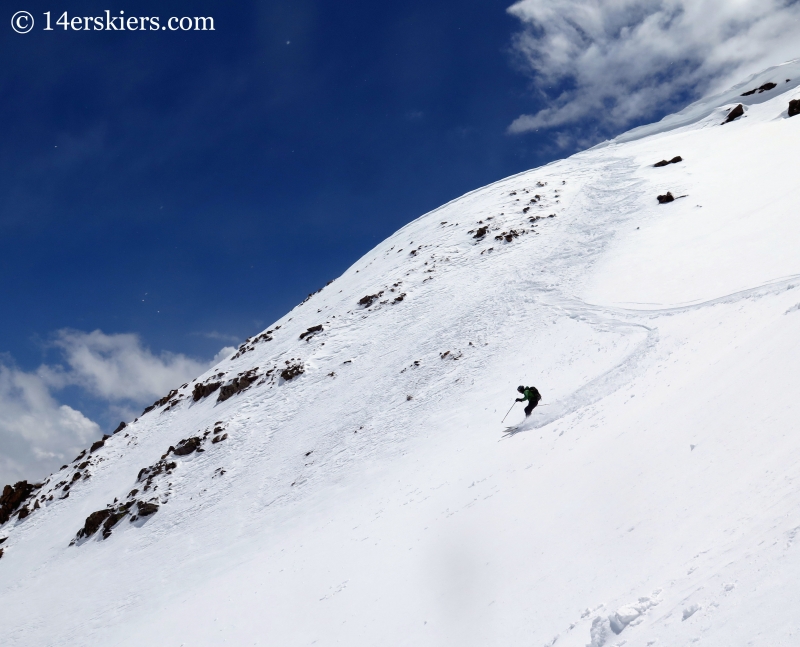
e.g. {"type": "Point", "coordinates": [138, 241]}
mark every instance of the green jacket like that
{"type": "Point", "coordinates": [531, 394]}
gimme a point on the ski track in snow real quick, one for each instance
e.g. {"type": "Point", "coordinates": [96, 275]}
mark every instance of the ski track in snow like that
{"type": "Point", "coordinates": [368, 501]}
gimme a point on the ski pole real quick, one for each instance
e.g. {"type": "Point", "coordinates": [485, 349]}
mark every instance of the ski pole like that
{"type": "Point", "coordinates": [509, 411]}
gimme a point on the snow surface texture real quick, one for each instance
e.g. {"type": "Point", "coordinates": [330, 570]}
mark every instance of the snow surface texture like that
{"type": "Point", "coordinates": [375, 499]}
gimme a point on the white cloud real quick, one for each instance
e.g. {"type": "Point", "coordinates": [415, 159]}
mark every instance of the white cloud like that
{"type": "Point", "coordinates": [118, 367]}
{"type": "Point", "coordinates": [37, 434]}
{"type": "Point", "coordinates": [608, 63]}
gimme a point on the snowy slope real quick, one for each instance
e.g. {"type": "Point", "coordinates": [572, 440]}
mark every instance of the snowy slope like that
{"type": "Point", "coordinates": [375, 499]}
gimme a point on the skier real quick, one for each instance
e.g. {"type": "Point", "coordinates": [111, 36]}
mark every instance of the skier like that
{"type": "Point", "coordinates": [532, 395]}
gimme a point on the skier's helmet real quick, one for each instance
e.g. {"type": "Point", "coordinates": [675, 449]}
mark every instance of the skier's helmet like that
{"type": "Point", "coordinates": [521, 389]}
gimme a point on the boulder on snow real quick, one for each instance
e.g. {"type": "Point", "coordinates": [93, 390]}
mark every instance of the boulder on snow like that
{"type": "Point", "coordinates": [763, 88]}
{"type": "Point", "coordinates": [311, 331]}
{"type": "Point", "coordinates": [368, 300]}
{"type": "Point", "coordinates": [674, 160]}
{"type": "Point", "coordinates": [187, 446]}
{"type": "Point", "coordinates": [146, 509]}
{"type": "Point", "coordinates": [667, 197]}
{"type": "Point", "coordinates": [98, 444]}
{"type": "Point", "coordinates": [735, 113]}
{"type": "Point", "coordinates": [794, 107]}
{"type": "Point", "coordinates": [122, 426]}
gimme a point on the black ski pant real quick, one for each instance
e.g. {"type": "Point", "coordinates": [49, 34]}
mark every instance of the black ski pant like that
{"type": "Point", "coordinates": [531, 406]}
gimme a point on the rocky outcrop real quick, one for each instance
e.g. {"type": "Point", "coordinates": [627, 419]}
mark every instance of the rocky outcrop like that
{"type": "Point", "coordinates": [187, 446]}
{"type": "Point", "coordinates": [368, 300]}
{"type": "Point", "coordinates": [239, 384]}
{"type": "Point", "coordinates": [204, 390]}
{"type": "Point", "coordinates": [737, 112]}
{"type": "Point", "coordinates": [146, 509]}
{"type": "Point", "coordinates": [98, 444]}
{"type": "Point", "coordinates": [12, 497]}
{"type": "Point", "coordinates": [667, 197]}
{"type": "Point", "coordinates": [93, 522]}
{"type": "Point", "coordinates": [674, 160]}
{"type": "Point", "coordinates": [170, 399]}
{"type": "Point", "coordinates": [311, 331]}
{"type": "Point", "coordinates": [763, 88]}
{"type": "Point", "coordinates": [794, 107]}
{"type": "Point", "coordinates": [292, 370]}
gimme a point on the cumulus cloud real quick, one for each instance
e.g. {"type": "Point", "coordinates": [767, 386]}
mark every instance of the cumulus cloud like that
{"type": "Point", "coordinates": [610, 63]}
{"type": "Point", "coordinates": [37, 434]}
{"type": "Point", "coordinates": [118, 367]}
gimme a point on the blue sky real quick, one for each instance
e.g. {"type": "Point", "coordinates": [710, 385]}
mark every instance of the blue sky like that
{"type": "Point", "coordinates": [179, 191]}
{"type": "Point", "coordinates": [176, 184]}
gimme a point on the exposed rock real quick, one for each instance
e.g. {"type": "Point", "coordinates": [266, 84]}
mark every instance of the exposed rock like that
{"type": "Point", "coordinates": [399, 298]}
{"type": "Point", "coordinates": [1, 552]}
{"type": "Point", "coordinates": [23, 513]}
{"type": "Point", "coordinates": [674, 160]}
{"type": "Point", "coordinates": [763, 88]}
{"type": "Point", "coordinates": [204, 390]}
{"type": "Point", "coordinates": [250, 344]}
{"type": "Point", "coordinates": [794, 107]}
{"type": "Point", "coordinates": [508, 236]}
{"type": "Point", "coordinates": [735, 113]}
{"type": "Point", "coordinates": [122, 426]}
{"type": "Point", "coordinates": [154, 470]}
{"type": "Point", "coordinates": [12, 497]}
{"type": "Point", "coordinates": [311, 331]}
{"type": "Point", "coordinates": [292, 371]}
{"type": "Point", "coordinates": [219, 439]}
{"type": "Point", "coordinates": [368, 300]}
{"type": "Point", "coordinates": [146, 509]}
{"type": "Point", "coordinates": [161, 401]}
{"type": "Point", "coordinates": [93, 522]}
{"type": "Point", "coordinates": [97, 445]}
{"type": "Point", "coordinates": [187, 446]}
{"type": "Point", "coordinates": [481, 232]}
{"type": "Point", "coordinates": [239, 384]}
{"type": "Point", "coordinates": [667, 197]}
{"type": "Point", "coordinates": [114, 518]}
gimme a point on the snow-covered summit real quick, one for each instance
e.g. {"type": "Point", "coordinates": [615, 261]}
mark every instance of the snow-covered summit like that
{"type": "Point", "coordinates": [344, 478]}
{"type": "Point", "coordinates": [758, 88]}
